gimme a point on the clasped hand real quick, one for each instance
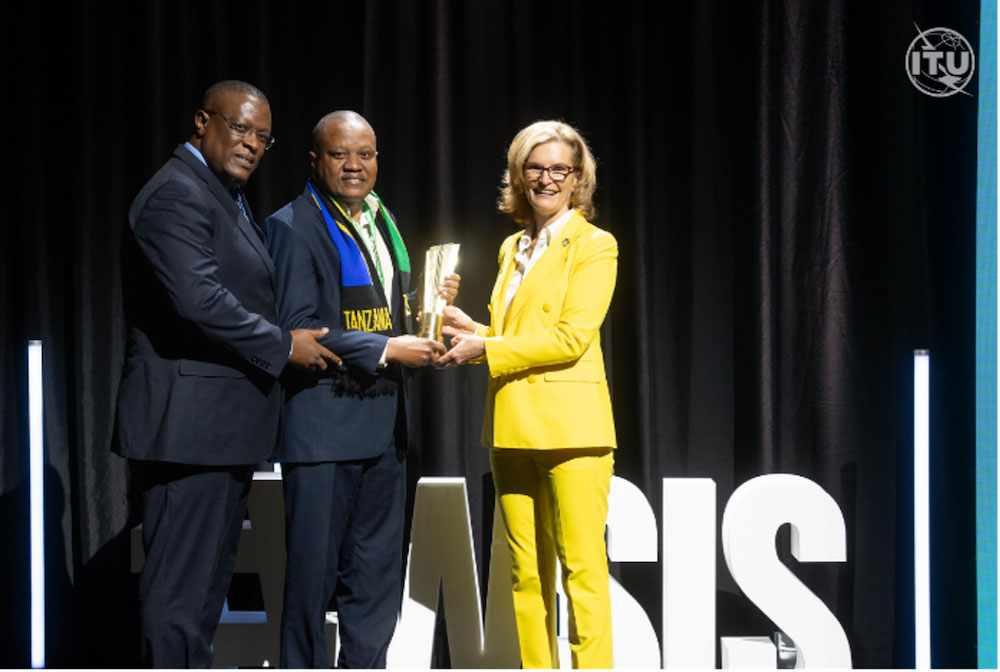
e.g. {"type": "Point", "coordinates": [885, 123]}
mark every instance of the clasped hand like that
{"type": "Point", "coordinates": [308, 353]}
{"type": "Point", "coordinates": [465, 345]}
{"type": "Point", "coordinates": [413, 351]}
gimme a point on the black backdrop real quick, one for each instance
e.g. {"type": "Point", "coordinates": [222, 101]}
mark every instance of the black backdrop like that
{"type": "Point", "coordinates": [794, 218]}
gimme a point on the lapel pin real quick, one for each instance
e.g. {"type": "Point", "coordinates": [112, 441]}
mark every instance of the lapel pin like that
{"type": "Point", "coordinates": [565, 242]}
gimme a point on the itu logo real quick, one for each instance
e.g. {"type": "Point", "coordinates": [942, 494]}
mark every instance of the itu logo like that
{"type": "Point", "coordinates": [940, 62]}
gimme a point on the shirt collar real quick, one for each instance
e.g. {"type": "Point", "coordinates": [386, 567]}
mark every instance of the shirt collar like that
{"type": "Point", "coordinates": [555, 227]}
{"type": "Point", "coordinates": [371, 200]}
{"type": "Point", "coordinates": [548, 233]}
{"type": "Point", "coordinates": [197, 154]}
{"type": "Point", "coordinates": [369, 208]}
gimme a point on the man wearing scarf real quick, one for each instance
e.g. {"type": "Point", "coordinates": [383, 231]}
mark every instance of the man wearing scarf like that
{"type": "Point", "coordinates": [340, 262]}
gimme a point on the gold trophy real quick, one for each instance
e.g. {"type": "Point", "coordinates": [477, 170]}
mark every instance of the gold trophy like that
{"type": "Point", "coordinates": [439, 261]}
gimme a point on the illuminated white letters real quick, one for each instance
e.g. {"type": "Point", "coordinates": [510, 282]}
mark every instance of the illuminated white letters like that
{"type": "Point", "coordinates": [752, 518]}
{"type": "Point", "coordinates": [442, 562]}
{"type": "Point", "coordinates": [442, 557]}
{"type": "Point", "coordinates": [689, 573]}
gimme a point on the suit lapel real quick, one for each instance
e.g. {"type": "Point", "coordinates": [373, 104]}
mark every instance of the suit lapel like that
{"type": "Point", "coordinates": [227, 203]}
{"type": "Point", "coordinates": [552, 261]}
{"type": "Point", "coordinates": [497, 301]}
{"type": "Point", "coordinates": [249, 232]}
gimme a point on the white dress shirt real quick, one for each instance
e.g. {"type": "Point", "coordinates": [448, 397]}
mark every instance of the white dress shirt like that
{"type": "Point", "coordinates": [526, 262]}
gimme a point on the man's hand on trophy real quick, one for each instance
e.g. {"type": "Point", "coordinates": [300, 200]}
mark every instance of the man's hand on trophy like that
{"type": "Point", "coordinates": [449, 287]}
{"type": "Point", "coordinates": [413, 351]}
{"type": "Point", "coordinates": [448, 290]}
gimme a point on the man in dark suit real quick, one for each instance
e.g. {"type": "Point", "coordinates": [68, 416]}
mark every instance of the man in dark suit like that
{"type": "Point", "coordinates": [199, 400]}
{"type": "Point", "coordinates": [340, 261]}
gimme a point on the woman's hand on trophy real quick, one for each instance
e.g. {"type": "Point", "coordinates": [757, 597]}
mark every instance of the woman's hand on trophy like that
{"type": "Point", "coordinates": [454, 322]}
{"type": "Point", "coordinates": [464, 348]}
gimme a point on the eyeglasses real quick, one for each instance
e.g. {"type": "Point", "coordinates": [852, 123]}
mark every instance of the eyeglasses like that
{"type": "Point", "coordinates": [557, 173]}
{"type": "Point", "coordinates": [244, 131]}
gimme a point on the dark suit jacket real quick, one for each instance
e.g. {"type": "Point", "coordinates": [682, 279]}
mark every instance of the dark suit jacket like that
{"type": "Point", "coordinates": [319, 424]}
{"type": "Point", "coordinates": [204, 352]}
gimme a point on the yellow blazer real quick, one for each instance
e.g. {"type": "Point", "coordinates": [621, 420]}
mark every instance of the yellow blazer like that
{"type": "Point", "coordinates": [548, 388]}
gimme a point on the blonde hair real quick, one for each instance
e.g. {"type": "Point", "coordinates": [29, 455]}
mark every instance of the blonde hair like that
{"type": "Point", "coordinates": [512, 199]}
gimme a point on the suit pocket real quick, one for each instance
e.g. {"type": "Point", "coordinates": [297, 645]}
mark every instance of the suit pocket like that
{"type": "Point", "coordinates": [225, 416]}
{"type": "Point", "coordinates": [582, 371]}
{"type": "Point", "coordinates": [193, 367]}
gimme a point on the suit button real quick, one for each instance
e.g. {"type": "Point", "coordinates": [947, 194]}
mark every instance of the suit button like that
{"type": "Point", "coordinates": [531, 378]}
{"type": "Point", "coordinates": [546, 308]}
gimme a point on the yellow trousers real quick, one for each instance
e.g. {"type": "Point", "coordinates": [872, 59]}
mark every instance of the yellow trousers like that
{"type": "Point", "coordinates": [555, 504]}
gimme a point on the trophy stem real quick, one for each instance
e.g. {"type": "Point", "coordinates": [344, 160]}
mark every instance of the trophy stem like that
{"type": "Point", "coordinates": [439, 261]}
{"type": "Point", "coordinates": [430, 326]}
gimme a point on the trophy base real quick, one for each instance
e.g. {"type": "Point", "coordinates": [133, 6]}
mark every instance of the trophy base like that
{"type": "Point", "coordinates": [430, 326]}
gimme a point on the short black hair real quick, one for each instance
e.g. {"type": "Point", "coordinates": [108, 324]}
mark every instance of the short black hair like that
{"type": "Point", "coordinates": [231, 86]}
{"type": "Point", "coordinates": [338, 115]}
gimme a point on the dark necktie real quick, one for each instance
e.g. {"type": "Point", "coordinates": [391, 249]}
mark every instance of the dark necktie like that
{"type": "Point", "coordinates": [241, 201]}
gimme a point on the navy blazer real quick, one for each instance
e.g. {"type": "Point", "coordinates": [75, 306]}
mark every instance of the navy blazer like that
{"type": "Point", "coordinates": [204, 350]}
{"type": "Point", "coordinates": [320, 425]}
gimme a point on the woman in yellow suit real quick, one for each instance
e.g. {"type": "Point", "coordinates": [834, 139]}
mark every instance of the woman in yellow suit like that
{"type": "Point", "coordinates": [548, 420]}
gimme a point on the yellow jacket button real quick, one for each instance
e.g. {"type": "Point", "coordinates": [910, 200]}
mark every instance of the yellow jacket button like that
{"type": "Point", "coordinates": [546, 307]}
{"type": "Point", "coordinates": [531, 378]}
